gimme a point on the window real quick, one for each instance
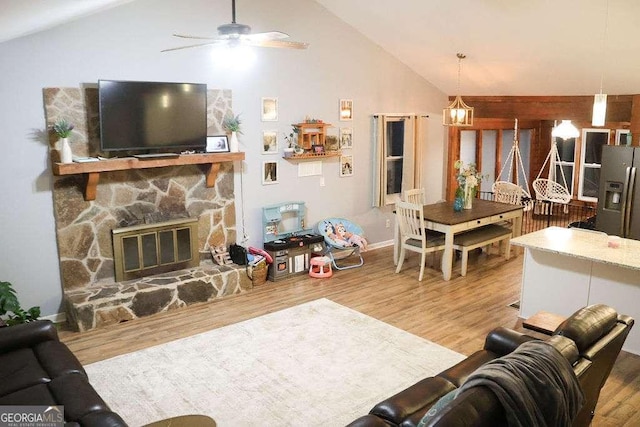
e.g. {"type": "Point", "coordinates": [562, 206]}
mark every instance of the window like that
{"type": "Point", "coordinates": [395, 157]}
{"type": "Point", "coordinates": [591, 158]}
{"type": "Point", "coordinates": [398, 154]}
{"type": "Point", "coordinates": [567, 163]}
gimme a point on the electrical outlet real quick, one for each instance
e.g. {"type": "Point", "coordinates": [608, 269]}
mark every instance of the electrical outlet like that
{"type": "Point", "coordinates": [387, 223]}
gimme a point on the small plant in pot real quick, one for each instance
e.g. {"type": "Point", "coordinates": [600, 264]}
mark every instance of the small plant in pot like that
{"type": "Point", "coordinates": [10, 311]}
{"type": "Point", "coordinates": [62, 128]}
{"type": "Point", "coordinates": [291, 142]}
{"type": "Point", "coordinates": [232, 123]}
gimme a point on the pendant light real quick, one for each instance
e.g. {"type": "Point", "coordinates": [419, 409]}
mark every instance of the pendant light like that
{"type": "Point", "coordinates": [458, 113]}
{"type": "Point", "coordinates": [600, 99]}
{"type": "Point", "coordinates": [565, 130]}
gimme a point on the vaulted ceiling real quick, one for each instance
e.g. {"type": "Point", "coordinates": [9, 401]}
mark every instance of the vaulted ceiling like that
{"type": "Point", "coordinates": [513, 47]}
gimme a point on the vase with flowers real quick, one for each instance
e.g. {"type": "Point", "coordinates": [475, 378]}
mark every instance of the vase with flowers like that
{"type": "Point", "coordinates": [62, 128]}
{"type": "Point", "coordinates": [469, 180]}
{"type": "Point", "coordinates": [232, 124]}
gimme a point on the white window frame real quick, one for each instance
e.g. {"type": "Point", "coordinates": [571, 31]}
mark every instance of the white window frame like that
{"type": "Point", "coordinates": [584, 166]}
{"type": "Point", "coordinates": [393, 197]}
{"type": "Point", "coordinates": [563, 163]}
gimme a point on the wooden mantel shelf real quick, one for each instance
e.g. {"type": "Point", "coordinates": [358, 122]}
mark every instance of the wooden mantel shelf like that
{"type": "Point", "coordinates": [92, 170]}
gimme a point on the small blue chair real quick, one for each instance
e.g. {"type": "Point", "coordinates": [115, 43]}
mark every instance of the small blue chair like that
{"type": "Point", "coordinates": [344, 239]}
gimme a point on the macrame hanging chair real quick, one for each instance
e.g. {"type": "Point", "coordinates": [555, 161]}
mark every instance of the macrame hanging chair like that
{"type": "Point", "coordinates": [548, 189]}
{"type": "Point", "coordinates": [506, 191]}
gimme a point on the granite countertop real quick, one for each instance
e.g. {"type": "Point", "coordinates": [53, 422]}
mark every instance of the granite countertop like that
{"type": "Point", "coordinates": [584, 244]}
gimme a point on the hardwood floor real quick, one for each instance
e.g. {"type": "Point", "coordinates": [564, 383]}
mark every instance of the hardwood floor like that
{"type": "Point", "coordinates": [457, 314]}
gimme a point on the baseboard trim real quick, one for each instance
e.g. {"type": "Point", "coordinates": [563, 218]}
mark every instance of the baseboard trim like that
{"type": "Point", "coordinates": [381, 244]}
{"type": "Point", "coordinates": [56, 318]}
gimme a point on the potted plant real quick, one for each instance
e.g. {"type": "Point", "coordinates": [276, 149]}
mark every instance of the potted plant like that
{"type": "Point", "coordinates": [62, 128]}
{"type": "Point", "coordinates": [232, 125]}
{"type": "Point", "coordinates": [10, 311]}
{"type": "Point", "coordinates": [291, 142]}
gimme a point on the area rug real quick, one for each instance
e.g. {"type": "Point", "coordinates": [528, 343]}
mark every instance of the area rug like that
{"type": "Point", "coordinates": [315, 364]}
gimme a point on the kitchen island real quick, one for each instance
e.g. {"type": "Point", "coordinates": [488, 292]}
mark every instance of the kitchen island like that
{"type": "Point", "coordinates": [569, 268]}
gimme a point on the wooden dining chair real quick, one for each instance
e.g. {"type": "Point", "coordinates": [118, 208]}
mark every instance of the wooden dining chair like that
{"type": "Point", "coordinates": [415, 195]}
{"type": "Point", "coordinates": [413, 236]}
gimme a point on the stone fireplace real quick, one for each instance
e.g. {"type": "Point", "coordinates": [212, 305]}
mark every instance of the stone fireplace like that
{"type": "Point", "coordinates": [84, 228]}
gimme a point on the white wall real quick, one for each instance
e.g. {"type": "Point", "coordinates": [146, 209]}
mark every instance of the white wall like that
{"type": "Point", "coordinates": [125, 42]}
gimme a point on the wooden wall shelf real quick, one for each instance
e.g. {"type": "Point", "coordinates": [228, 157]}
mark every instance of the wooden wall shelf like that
{"type": "Point", "coordinates": [92, 170]}
{"type": "Point", "coordinates": [313, 156]}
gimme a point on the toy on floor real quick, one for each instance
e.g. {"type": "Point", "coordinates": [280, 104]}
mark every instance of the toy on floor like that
{"type": "Point", "coordinates": [344, 239]}
{"type": "Point", "coordinates": [221, 255]}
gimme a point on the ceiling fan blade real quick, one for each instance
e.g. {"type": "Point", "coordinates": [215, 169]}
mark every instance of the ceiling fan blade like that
{"type": "Point", "coordinates": [270, 35]}
{"type": "Point", "coordinates": [186, 36]}
{"type": "Point", "coordinates": [287, 44]}
{"type": "Point", "coordinates": [190, 46]}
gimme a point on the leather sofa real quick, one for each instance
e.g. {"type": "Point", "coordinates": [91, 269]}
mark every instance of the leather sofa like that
{"type": "Point", "coordinates": [590, 340]}
{"type": "Point", "coordinates": [37, 369]}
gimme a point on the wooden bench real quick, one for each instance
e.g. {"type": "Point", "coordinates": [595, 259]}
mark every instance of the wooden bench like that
{"type": "Point", "coordinates": [479, 237]}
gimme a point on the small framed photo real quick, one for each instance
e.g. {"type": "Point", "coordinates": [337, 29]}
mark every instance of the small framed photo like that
{"type": "Point", "coordinates": [331, 143]}
{"type": "Point", "coordinates": [269, 109]}
{"type": "Point", "coordinates": [269, 142]}
{"type": "Point", "coordinates": [318, 149]}
{"type": "Point", "coordinates": [346, 138]}
{"type": "Point", "coordinates": [346, 165]}
{"type": "Point", "coordinates": [269, 172]}
{"type": "Point", "coordinates": [346, 109]}
{"type": "Point", "coordinates": [217, 144]}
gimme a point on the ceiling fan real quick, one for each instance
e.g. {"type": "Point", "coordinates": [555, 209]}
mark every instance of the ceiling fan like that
{"type": "Point", "coordinates": [235, 34]}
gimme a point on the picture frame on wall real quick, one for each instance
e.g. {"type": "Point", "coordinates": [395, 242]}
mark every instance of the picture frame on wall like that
{"type": "Point", "coordinates": [269, 142]}
{"type": "Point", "coordinates": [269, 172]}
{"type": "Point", "coordinates": [346, 110]}
{"type": "Point", "coordinates": [269, 109]}
{"type": "Point", "coordinates": [217, 144]}
{"type": "Point", "coordinates": [346, 138]}
{"type": "Point", "coordinates": [346, 165]}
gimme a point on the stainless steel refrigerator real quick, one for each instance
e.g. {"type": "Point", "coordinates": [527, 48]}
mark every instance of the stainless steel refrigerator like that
{"type": "Point", "coordinates": [619, 192]}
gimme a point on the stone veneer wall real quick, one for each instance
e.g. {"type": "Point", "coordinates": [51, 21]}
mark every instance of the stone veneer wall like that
{"type": "Point", "coordinates": [83, 228]}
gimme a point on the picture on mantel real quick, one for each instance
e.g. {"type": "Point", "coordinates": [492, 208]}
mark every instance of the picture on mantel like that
{"type": "Point", "coordinates": [269, 173]}
{"type": "Point", "coordinates": [346, 165]}
{"type": "Point", "coordinates": [270, 142]}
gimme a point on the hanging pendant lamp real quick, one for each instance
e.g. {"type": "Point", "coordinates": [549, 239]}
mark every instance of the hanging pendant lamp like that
{"type": "Point", "coordinates": [458, 113]}
{"type": "Point", "coordinates": [600, 99]}
{"type": "Point", "coordinates": [565, 130]}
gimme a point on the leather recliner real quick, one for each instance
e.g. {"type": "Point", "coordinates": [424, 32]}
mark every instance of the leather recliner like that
{"type": "Point", "coordinates": [37, 369]}
{"type": "Point", "coordinates": [590, 340]}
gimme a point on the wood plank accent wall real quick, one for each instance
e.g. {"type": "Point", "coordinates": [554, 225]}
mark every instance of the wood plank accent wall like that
{"type": "Point", "coordinates": [538, 113]}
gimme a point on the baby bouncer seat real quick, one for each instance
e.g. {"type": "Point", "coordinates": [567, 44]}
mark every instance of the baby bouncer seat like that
{"type": "Point", "coordinates": [344, 241]}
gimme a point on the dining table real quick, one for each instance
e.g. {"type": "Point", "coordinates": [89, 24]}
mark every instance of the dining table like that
{"type": "Point", "coordinates": [442, 217]}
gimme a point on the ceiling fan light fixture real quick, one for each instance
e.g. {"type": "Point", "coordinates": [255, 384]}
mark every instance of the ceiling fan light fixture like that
{"type": "Point", "coordinates": [565, 130]}
{"type": "Point", "coordinates": [458, 113]}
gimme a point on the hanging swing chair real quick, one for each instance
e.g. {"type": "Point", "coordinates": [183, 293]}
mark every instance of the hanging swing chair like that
{"type": "Point", "coordinates": [505, 191]}
{"type": "Point", "coordinates": [548, 189]}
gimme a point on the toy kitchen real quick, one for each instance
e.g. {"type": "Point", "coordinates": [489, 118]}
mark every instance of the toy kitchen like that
{"type": "Point", "coordinates": [289, 244]}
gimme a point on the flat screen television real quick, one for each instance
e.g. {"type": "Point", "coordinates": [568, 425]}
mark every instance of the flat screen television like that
{"type": "Point", "coordinates": [152, 116]}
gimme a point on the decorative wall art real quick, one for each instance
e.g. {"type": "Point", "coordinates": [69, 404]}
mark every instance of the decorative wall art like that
{"type": "Point", "coordinates": [269, 142]}
{"type": "Point", "coordinates": [331, 143]}
{"type": "Point", "coordinates": [346, 109]}
{"type": "Point", "coordinates": [346, 165]}
{"type": "Point", "coordinates": [269, 173]}
{"type": "Point", "coordinates": [346, 138]}
{"type": "Point", "coordinates": [269, 109]}
{"type": "Point", "coordinates": [217, 144]}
